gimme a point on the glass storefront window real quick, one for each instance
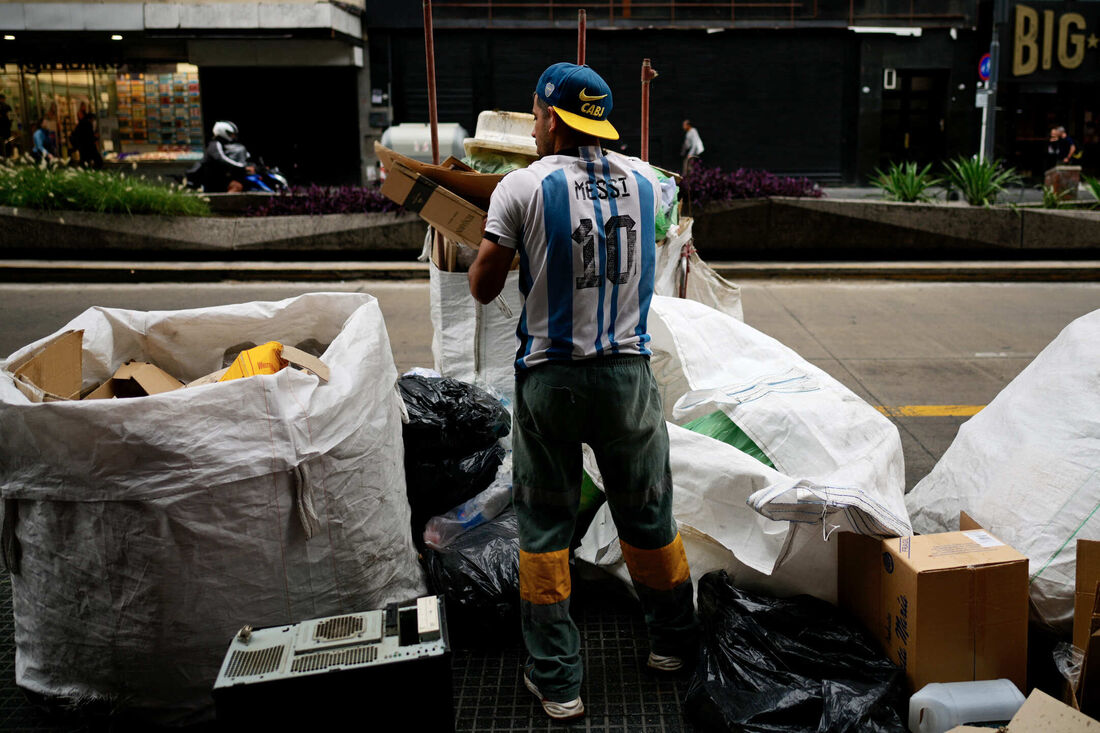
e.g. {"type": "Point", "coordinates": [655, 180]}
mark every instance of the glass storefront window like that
{"type": "Point", "coordinates": [152, 113]}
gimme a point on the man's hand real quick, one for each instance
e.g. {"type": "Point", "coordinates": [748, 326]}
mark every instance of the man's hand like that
{"type": "Point", "coordinates": [489, 271]}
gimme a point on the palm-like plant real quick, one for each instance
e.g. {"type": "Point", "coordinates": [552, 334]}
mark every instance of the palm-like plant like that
{"type": "Point", "coordinates": [905, 182]}
{"type": "Point", "coordinates": [979, 181]}
{"type": "Point", "coordinates": [1093, 186]}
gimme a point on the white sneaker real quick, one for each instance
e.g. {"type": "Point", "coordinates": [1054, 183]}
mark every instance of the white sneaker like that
{"type": "Point", "coordinates": [664, 664]}
{"type": "Point", "coordinates": [556, 710]}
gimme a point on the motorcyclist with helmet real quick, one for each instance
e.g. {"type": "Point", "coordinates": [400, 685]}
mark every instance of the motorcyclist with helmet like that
{"type": "Point", "coordinates": [225, 162]}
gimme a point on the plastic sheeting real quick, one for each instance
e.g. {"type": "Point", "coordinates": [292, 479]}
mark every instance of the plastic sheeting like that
{"type": "Point", "coordinates": [773, 666]}
{"type": "Point", "coordinates": [1027, 467]}
{"type": "Point", "coordinates": [151, 529]}
{"type": "Point", "coordinates": [477, 343]}
{"type": "Point", "coordinates": [837, 461]}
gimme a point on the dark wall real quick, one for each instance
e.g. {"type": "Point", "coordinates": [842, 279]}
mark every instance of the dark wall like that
{"type": "Point", "coordinates": [776, 99]}
{"type": "Point", "coordinates": [304, 120]}
{"type": "Point", "coordinates": [935, 51]}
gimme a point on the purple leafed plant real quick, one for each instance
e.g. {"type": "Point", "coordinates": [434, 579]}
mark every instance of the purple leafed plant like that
{"type": "Point", "coordinates": [707, 185]}
{"type": "Point", "coordinates": [315, 200]}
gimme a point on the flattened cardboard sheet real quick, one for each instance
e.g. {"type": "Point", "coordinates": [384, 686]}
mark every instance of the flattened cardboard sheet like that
{"type": "Point", "coordinates": [56, 370]}
{"type": "Point", "coordinates": [136, 379]}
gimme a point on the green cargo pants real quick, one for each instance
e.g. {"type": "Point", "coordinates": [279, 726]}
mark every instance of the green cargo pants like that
{"type": "Point", "coordinates": [612, 404]}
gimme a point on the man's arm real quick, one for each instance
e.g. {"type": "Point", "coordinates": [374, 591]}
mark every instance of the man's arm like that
{"type": "Point", "coordinates": [489, 271]}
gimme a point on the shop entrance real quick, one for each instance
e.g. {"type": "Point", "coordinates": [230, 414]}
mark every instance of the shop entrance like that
{"type": "Point", "coordinates": [914, 114]}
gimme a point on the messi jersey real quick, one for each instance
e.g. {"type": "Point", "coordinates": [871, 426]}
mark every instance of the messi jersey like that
{"type": "Point", "coordinates": [583, 224]}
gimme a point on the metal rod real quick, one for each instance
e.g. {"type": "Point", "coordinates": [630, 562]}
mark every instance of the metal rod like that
{"type": "Point", "coordinates": [429, 57]}
{"type": "Point", "coordinates": [648, 75]}
{"type": "Point", "coordinates": [582, 32]}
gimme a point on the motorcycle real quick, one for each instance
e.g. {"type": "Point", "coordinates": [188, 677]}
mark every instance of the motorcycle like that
{"type": "Point", "coordinates": [259, 178]}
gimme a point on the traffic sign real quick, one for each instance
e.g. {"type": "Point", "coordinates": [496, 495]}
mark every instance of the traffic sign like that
{"type": "Point", "coordinates": [983, 67]}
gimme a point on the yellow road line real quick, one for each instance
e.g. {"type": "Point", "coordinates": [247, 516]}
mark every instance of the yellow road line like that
{"type": "Point", "coordinates": [929, 410]}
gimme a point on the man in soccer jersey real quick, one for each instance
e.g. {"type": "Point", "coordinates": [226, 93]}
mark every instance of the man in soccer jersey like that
{"type": "Point", "coordinates": [582, 221]}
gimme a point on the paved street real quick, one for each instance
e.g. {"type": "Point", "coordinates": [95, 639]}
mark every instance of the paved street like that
{"type": "Point", "coordinates": [928, 353]}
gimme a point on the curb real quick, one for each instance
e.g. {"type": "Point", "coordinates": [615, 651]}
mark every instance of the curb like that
{"type": "Point", "coordinates": [68, 271]}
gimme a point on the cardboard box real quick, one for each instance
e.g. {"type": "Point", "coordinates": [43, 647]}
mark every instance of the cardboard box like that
{"type": "Point", "coordinates": [452, 174]}
{"type": "Point", "coordinates": [54, 372]}
{"type": "Point", "coordinates": [1041, 713]}
{"type": "Point", "coordinates": [136, 379]}
{"type": "Point", "coordinates": [450, 214]}
{"type": "Point", "coordinates": [946, 607]}
{"type": "Point", "coordinates": [451, 196]}
{"type": "Point", "coordinates": [1088, 575]}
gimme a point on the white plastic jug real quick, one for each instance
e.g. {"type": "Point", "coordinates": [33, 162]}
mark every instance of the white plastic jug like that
{"type": "Point", "coordinates": [940, 706]}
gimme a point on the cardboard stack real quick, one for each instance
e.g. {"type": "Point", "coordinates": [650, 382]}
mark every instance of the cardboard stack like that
{"type": "Point", "coordinates": [451, 196]}
{"type": "Point", "coordinates": [55, 372]}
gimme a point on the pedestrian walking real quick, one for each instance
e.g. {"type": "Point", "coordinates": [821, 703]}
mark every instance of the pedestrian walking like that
{"type": "Point", "coordinates": [85, 141]}
{"type": "Point", "coordinates": [45, 142]}
{"type": "Point", "coordinates": [5, 125]}
{"type": "Point", "coordinates": [692, 148]}
{"type": "Point", "coordinates": [582, 221]}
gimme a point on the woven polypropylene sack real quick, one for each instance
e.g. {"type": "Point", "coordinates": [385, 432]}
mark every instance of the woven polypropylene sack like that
{"type": "Point", "coordinates": [149, 530]}
{"type": "Point", "coordinates": [836, 462]}
{"type": "Point", "coordinates": [1027, 467]}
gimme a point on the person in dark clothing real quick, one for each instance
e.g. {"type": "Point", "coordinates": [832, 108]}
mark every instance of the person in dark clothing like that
{"type": "Point", "coordinates": [1061, 148]}
{"type": "Point", "coordinates": [224, 162]}
{"type": "Point", "coordinates": [85, 140]}
{"type": "Point", "coordinates": [5, 125]}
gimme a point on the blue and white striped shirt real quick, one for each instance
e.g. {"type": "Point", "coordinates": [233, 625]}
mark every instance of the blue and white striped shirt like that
{"type": "Point", "coordinates": [583, 223]}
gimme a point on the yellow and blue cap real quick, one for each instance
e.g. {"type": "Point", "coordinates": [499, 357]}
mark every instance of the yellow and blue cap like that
{"type": "Point", "coordinates": [580, 97]}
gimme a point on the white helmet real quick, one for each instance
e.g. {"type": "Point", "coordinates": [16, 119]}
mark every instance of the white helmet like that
{"type": "Point", "coordinates": [225, 130]}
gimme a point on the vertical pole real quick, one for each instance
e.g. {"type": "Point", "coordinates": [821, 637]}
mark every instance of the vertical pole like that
{"type": "Point", "coordinates": [989, 114]}
{"type": "Point", "coordinates": [582, 30]}
{"type": "Point", "coordinates": [429, 56]}
{"type": "Point", "coordinates": [648, 75]}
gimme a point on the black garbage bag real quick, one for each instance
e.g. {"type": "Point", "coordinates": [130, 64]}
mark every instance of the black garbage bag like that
{"type": "Point", "coordinates": [478, 574]}
{"type": "Point", "coordinates": [449, 417]}
{"type": "Point", "coordinates": [792, 664]}
{"type": "Point", "coordinates": [451, 448]}
{"type": "Point", "coordinates": [436, 484]}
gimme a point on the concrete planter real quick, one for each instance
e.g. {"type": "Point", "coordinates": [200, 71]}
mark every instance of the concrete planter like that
{"type": "Point", "coordinates": [27, 233]}
{"type": "Point", "coordinates": [836, 228]}
{"type": "Point", "coordinates": [759, 229]}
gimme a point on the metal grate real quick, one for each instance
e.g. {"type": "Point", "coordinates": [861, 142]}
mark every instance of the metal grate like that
{"type": "Point", "coordinates": [254, 662]}
{"type": "Point", "coordinates": [340, 627]}
{"type": "Point", "coordinates": [323, 660]}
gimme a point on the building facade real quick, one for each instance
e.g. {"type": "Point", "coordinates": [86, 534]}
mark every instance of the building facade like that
{"type": "Point", "coordinates": [292, 75]}
{"type": "Point", "coordinates": [832, 89]}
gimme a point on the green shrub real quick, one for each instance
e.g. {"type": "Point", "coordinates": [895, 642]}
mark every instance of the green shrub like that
{"type": "Point", "coordinates": [51, 188]}
{"type": "Point", "coordinates": [979, 181]}
{"type": "Point", "coordinates": [905, 182]}
{"type": "Point", "coordinates": [1053, 199]}
{"type": "Point", "coordinates": [1093, 186]}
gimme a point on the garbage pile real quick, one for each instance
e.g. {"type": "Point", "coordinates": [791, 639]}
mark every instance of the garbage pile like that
{"type": "Point", "coordinates": [142, 533]}
{"type": "Point", "coordinates": [795, 664]}
{"type": "Point", "coordinates": [459, 478]}
{"type": "Point", "coordinates": [452, 443]}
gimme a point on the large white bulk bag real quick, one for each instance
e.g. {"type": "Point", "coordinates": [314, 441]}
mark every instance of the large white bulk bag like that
{"type": "Point", "coordinates": [149, 530]}
{"type": "Point", "coordinates": [837, 461]}
{"type": "Point", "coordinates": [1027, 467]}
